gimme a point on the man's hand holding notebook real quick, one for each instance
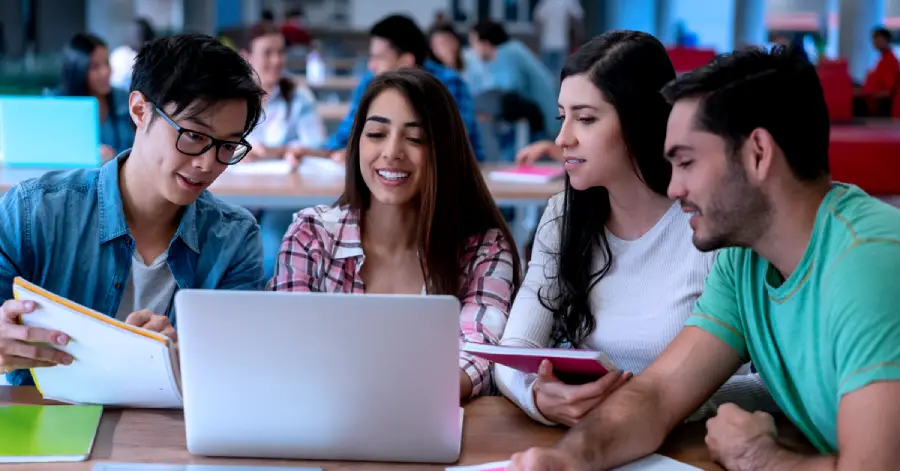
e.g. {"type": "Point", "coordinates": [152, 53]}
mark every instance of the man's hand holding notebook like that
{"type": "Point", "coordinates": [25, 347]}
{"type": "Point", "coordinates": [81, 356]}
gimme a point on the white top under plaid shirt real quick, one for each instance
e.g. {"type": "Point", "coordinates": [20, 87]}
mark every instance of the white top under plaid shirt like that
{"type": "Point", "coordinates": [322, 252]}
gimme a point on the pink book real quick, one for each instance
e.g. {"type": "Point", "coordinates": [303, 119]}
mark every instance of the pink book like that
{"type": "Point", "coordinates": [569, 365]}
{"type": "Point", "coordinates": [528, 174]}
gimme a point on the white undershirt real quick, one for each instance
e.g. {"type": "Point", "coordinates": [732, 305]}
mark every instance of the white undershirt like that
{"type": "Point", "coordinates": [149, 287]}
{"type": "Point", "coordinates": [639, 305]}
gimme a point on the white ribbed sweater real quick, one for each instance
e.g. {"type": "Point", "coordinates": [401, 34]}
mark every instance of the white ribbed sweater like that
{"type": "Point", "coordinates": [640, 305]}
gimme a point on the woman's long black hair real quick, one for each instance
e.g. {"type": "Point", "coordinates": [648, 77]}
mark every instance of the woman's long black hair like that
{"type": "Point", "coordinates": [629, 68]}
{"type": "Point", "coordinates": [76, 63]}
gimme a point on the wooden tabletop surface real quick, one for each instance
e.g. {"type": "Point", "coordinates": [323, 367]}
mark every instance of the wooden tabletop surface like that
{"type": "Point", "coordinates": [240, 184]}
{"type": "Point", "coordinates": [494, 429]}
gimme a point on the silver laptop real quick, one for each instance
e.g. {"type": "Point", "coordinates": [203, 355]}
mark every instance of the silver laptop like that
{"type": "Point", "coordinates": [320, 376]}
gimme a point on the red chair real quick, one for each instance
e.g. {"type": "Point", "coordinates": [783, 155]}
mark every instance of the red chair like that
{"type": "Point", "coordinates": [866, 156]}
{"type": "Point", "coordinates": [685, 59]}
{"type": "Point", "coordinates": [837, 86]}
{"type": "Point", "coordinates": [895, 105]}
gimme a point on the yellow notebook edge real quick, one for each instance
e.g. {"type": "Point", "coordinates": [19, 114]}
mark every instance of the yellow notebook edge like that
{"type": "Point", "coordinates": [35, 289]}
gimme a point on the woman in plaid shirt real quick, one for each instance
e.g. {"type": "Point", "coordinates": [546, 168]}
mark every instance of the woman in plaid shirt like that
{"type": "Point", "coordinates": [415, 217]}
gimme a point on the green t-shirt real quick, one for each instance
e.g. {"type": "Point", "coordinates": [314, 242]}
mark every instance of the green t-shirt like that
{"type": "Point", "coordinates": [832, 327]}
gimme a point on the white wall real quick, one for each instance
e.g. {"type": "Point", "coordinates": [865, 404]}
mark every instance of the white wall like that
{"type": "Point", "coordinates": [892, 8]}
{"type": "Point", "coordinates": [855, 22]}
{"type": "Point", "coordinates": [365, 13]}
{"type": "Point", "coordinates": [164, 15]}
{"type": "Point", "coordinates": [110, 19]}
{"type": "Point", "coordinates": [794, 6]}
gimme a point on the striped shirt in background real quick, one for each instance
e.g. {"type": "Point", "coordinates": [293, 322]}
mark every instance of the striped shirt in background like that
{"type": "Point", "coordinates": [322, 252]}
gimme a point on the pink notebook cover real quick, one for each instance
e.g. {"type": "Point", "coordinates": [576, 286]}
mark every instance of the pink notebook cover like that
{"type": "Point", "coordinates": [587, 367]}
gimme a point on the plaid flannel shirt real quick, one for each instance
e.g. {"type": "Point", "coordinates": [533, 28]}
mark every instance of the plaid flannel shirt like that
{"type": "Point", "coordinates": [448, 77]}
{"type": "Point", "coordinates": [322, 252]}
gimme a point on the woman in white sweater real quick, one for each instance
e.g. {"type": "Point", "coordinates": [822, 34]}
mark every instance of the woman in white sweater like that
{"type": "Point", "coordinates": [613, 267]}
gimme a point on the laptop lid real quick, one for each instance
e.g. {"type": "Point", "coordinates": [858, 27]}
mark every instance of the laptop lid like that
{"type": "Point", "coordinates": [49, 132]}
{"type": "Point", "coordinates": [320, 376]}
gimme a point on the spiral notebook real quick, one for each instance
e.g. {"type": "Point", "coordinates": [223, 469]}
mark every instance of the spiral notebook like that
{"type": "Point", "coordinates": [115, 364]}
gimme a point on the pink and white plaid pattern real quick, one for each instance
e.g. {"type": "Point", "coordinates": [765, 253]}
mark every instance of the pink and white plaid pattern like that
{"type": "Point", "coordinates": [322, 252]}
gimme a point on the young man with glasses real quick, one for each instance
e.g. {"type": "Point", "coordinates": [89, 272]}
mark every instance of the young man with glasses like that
{"type": "Point", "coordinates": [124, 238]}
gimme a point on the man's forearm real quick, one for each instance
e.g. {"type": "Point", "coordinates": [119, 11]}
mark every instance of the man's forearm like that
{"type": "Point", "coordinates": [627, 426]}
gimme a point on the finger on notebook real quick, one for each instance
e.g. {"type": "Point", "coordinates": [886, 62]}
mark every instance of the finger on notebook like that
{"type": "Point", "coordinates": [157, 323]}
{"type": "Point", "coordinates": [27, 363]}
{"type": "Point", "coordinates": [139, 318]}
{"type": "Point", "coordinates": [39, 353]}
{"type": "Point", "coordinates": [33, 334]}
{"type": "Point", "coordinates": [18, 363]}
{"type": "Point", "coordinates": [171, 333]}
{"type": "Point", "coordinates": [13, 308]}
{"type": "Point", "coordinates": [545, 371]}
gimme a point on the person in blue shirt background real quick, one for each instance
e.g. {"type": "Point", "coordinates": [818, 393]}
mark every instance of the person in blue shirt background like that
{"type": "Point", "coordinates": [86, 72]}
{"type": "Point", "coordinates": [397, 42]}
{"type": "Point", "coordinates": [124, 238]}
{"type": "Point", "coordinates": [509, 65]}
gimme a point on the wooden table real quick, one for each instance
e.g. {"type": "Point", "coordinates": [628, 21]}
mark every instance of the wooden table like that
{"type": "Point", "coordinates": [494, 429]}
{"type": "Point", "coordinates": [334, 83]}
{"type": "Point", "coordinates": [295, 190]}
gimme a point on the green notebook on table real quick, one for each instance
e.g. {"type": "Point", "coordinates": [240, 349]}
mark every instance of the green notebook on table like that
{"type": "Point", "coordinates": [40, 434]}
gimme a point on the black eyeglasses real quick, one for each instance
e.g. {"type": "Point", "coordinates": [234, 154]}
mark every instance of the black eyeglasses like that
{"type": "Point", "coordinates": [194, 143]}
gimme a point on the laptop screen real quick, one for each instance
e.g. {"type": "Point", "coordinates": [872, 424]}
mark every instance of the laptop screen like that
{"type": "Point", "coordinates": [49, 132]}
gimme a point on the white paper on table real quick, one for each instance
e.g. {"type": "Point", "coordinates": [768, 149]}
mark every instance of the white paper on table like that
{"type": "Point", "coordinates": [311, 166]}
{"type": "Point", "coordinates": [650, 463]}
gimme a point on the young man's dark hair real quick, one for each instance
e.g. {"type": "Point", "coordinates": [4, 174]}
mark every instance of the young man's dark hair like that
{"type": "Point", "coordinates": [195, 71]}
{"type": "Point", "coordinates": [882, 32]}
{"type": "Point", "coordinates": [775, 91]}
{"type": "Point", "coordinates": [491, 31]}
{"type": "Point", "coordinates": [404, 36]}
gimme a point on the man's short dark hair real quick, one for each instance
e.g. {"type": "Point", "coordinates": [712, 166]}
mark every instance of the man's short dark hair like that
{"type": "Point", "coordinates": [404, 35]}
{"type": "Point", "coordinates": [491, 31]}
{"type": "Point", "coordinates": [776, 90]}
{"type": "Point", "coordinates": [194, 72]}
{"type": "Point", "coordinates": [884, 33]}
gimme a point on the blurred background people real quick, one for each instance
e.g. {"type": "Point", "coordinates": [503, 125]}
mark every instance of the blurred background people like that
{"type": "Point", "coordinates": [86, 72]}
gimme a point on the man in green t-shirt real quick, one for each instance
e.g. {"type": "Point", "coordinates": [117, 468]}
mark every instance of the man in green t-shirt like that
{"type": "Point", "coordinates": [808, 290]}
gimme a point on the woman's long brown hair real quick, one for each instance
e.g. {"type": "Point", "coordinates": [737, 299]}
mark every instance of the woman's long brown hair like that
{"type": "Point", "coordinates": [455, 203]}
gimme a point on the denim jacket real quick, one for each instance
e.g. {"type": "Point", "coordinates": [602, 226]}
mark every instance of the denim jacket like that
{"type": "Point", "coordinates": [65, 231]}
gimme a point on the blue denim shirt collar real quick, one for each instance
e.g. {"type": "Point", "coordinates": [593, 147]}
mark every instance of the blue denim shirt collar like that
{"type": "Point", "coordinates": [112, 211]}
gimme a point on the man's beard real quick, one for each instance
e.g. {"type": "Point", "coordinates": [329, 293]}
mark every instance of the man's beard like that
{"type": "Point", "coordinates": [738, 213]}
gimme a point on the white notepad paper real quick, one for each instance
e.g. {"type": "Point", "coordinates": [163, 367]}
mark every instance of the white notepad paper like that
{"type": "Point", "coordinates": [115, 364]}
{"type": "Point", "coordinates": [309, 166]}
{"type": "Point", "coordinates": [650, 463]}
